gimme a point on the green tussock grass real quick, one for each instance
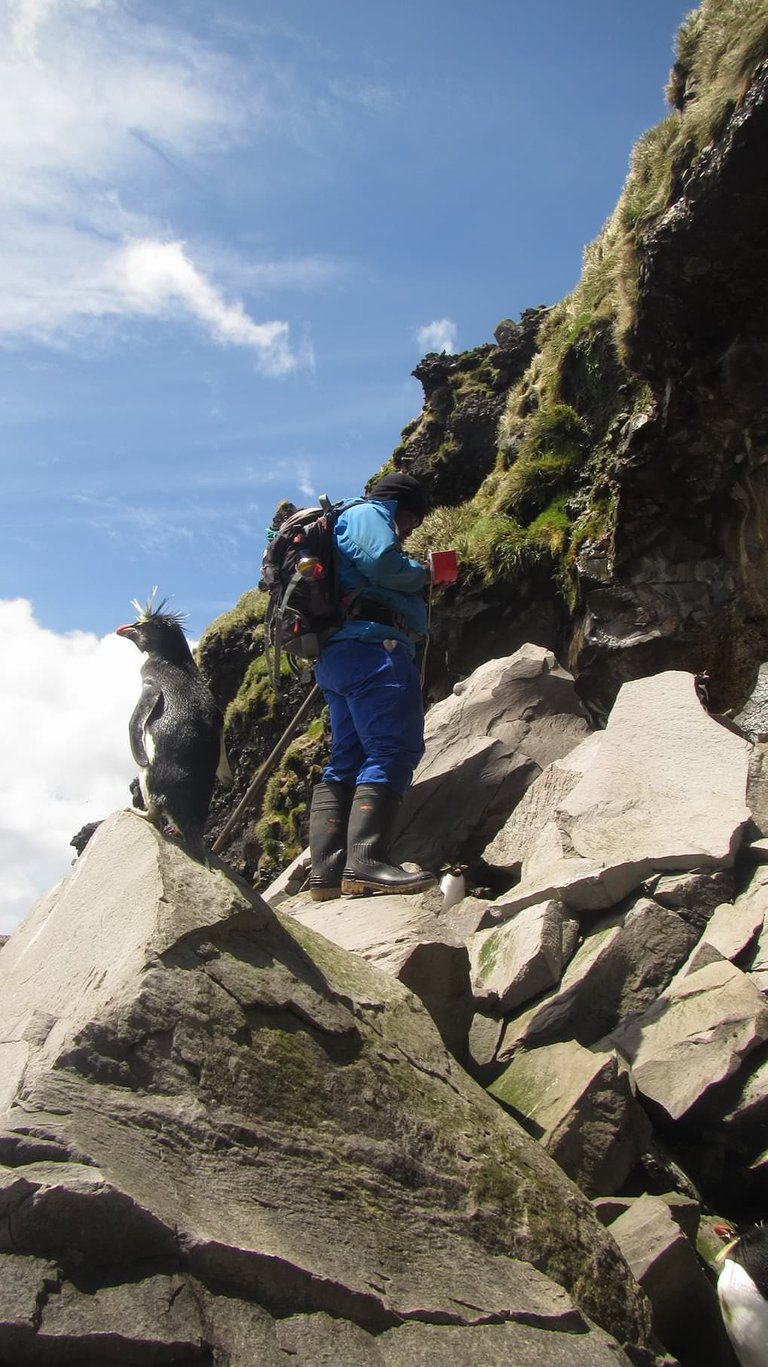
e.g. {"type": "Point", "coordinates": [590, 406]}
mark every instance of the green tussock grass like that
{"type": "Point", "coordinates": [582, 364]}
{"type": "Point", "coordinates": [282, 827]}
{"type": "Point", "coordinates": [248, 612]}
{"type": "Point", "coordinates": [492, 546]}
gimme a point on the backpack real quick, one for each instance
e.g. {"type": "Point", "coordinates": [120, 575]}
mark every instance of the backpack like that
{"type": "Point", "coordinates": [299, 573]}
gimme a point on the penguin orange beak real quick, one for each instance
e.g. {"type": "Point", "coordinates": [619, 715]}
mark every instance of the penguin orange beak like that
{"type": "Point", "coordinates": [129, 631]}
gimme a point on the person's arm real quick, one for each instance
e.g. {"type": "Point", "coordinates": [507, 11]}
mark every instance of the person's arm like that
{"type": "Point", "coordinates": [368, 538]}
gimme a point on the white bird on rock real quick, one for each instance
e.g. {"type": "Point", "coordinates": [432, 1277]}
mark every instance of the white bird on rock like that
{"type": "Point", "coordinates": [453, 886]}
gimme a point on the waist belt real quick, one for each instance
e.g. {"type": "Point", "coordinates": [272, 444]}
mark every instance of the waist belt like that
{"type": "Point", "coordinates": [368, 610]}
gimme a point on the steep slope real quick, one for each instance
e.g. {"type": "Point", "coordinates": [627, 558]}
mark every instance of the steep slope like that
{"type": "Point", "coordinates": [601, 469]}
{"type": "Point", "coordinates": [628, 475]}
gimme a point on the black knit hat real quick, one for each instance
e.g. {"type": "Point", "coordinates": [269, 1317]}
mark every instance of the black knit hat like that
{"type": "Point", "coordinates": [403, 490]}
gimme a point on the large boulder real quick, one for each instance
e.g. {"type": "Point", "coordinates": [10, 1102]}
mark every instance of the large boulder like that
{"type": "Point", "coordinates": [623, 963]}
{"type": "Point", "coordinates": [499, 729]}
{"type": "Point", "coordinates": [518, 960]}
{"type": "Point", "coordinates": [685, 1310]}
{"type": "Point", "coordinates": [226, 1140]}
{"type": "Point", "coordinates": [579, 1103]}
{"type": "Point", "coordinates": [694, 1037]}
{"type": "Point", "coordinates": [403, 937]}
{"type": "Point", "coordinates": [662, 788]}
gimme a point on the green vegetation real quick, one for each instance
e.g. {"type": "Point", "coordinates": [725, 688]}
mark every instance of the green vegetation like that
{"type": "Point", "coordinates": [553, 443]}
{"type": "Point", "coordinates": [246, 615]}
{"type": "Point", "coordinates": [281, 830]}
{"type": "Point", "coordinates": [256, 698]}
{"type": "Point", "coordinates": [553, 494]}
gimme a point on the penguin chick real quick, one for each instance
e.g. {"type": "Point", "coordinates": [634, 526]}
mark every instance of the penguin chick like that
{"type": "Point", "coordinates": [742, 1289]}
{"type": "Point", "coordinates": [176, 730]}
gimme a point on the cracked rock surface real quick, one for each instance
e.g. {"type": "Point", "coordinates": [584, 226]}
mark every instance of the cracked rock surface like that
{"type": "Point", "coordinates": [225, 1140]}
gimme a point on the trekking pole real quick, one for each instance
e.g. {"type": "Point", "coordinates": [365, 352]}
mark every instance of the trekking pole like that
{"type": "Point", "coordinates": [263, 772]}
{"type": "Point", "coordinates": [429, 622]}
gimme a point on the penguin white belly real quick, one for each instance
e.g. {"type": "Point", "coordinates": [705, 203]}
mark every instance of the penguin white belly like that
{"type": "Point", "coordinates": [745, 1313]}
{"type": "Point", "coordinates": [453, 888]}
{"type": "Point", "coordinates": [149, 750]}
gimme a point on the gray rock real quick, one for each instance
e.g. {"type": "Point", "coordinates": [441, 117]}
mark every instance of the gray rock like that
{"type": "Point", "coordinates": [506, 1345]}
{"type": "Point", "coordinates": [742, 1106]}
{"type": "Point", "coordinates": [666, 785]}
{"type": "Point", "coordinates": [401, 937]}
{"type": "Point", "coordinates": [155, 1319]}
{"type": "Point", "coordinates": [621, 966]}
{"type": "Point", "coordinates": [579, 1103]}
{"type": "Point", "coordinates": [758, 969]}
{"type": "Point", "coordinates": [694, 1037]}
{"type": "Point", "coordinates": [609, 1208]}
{"type": "Point", "coordinates": [531, 836]}
{"type": "Point", "coordinates": [734, 926]}
{"type": "Point", "coordinates": [24, 1286]}
{"type": "Point", "coordinates": [467, 916]}
{"type": "Point", "coordinates": [757, 851]}
{"type": "Point", "coordinates": [694, 895]}
{"type": "Point", "coordinates": [514, 962]}
{"type": "Point", "coordinates": [661, 788]}
{"type": "Point", "coordinates": [437, 824]}
{"type": "Point", "coordinates": [685, 1310]}
{"type": "Point", "coordinates": [753, 718]}
{"type": "Point", "coordinates": [290, 882]}
{"type": "Point", "coordinates": [484, 1038]}
{"type": "Point", "coordinates": [230, 1103]}
{"type": "Point", "coordinates": [496, 732]}
{"type": "Point", "coordinates": [685, 1211]}
{"type": "Point", "coordinates": [757, 787]}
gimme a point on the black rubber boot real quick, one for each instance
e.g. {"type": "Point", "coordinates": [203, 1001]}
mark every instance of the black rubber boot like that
{"type": "Point", "coordinates": [328, 818]}
{"type": "Point", "coordinates": [369, 835]}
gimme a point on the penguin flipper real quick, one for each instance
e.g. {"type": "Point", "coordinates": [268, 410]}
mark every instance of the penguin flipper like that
{"type": "Point", "coordinates": [151, 695]}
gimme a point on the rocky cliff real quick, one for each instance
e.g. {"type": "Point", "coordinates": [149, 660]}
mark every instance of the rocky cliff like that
{"type": "Point", "coordinates": [398, 1130]}
{"type": "Point", "coordinates": [599, 468]}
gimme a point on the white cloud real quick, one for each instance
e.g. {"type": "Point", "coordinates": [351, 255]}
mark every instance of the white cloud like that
{"type": "Point", "coordinates": [64, 708]}
{"type": "Point", "coordinates": [96, 110]}
{"type": "Point", "coordinates": [438, 336]}
{"type": "Point", "coordinates": [158, 278]}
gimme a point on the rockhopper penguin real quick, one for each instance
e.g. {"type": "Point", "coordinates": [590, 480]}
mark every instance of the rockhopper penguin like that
{"type": "Point", "coordinates": [742, 1288]}
{"type": "Point", "coordinates": [176, 731]}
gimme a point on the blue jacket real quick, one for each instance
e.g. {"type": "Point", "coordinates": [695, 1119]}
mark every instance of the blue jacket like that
{"type": "Point", "coordinates": [372, 564]}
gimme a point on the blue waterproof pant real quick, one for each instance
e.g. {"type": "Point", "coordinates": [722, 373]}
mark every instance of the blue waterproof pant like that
{"type": "Point", "coordinates": [377, 716]}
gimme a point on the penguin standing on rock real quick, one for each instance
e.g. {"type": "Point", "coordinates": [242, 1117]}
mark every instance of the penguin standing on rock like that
{"type": "Point", "coordinates": [176, 731]}
{"type": "Point", "coordinates": [742, 1289]}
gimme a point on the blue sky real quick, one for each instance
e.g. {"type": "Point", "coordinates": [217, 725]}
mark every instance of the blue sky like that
{"type": "Point", "coordinates": [227, 235]}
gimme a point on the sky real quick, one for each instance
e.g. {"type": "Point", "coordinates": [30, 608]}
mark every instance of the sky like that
{"type": "Point", "coordinates": [227, 235]}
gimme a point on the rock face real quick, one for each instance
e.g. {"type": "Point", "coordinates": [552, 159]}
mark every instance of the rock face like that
{"type": "Point", "coordinates": [225, 1140]}
{"type": "Point", "coordinates": [580, 1104]}
{"type": "Point", "coordinates": [685, 1313]}
{"type": "Point", "coordinates": [402, 937]}
{"type": "Point", "coordinates": [694, 1037]}
{"type": "Point", "coordinates": [663, 787]}
{"type": "Point", "coordinates": [494, 735]}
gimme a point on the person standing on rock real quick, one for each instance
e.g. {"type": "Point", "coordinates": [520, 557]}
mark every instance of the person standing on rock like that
{"type": "Point", "coordinates": [369, 680]}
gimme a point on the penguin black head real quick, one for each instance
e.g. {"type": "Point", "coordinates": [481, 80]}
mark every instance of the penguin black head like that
{"type": "Point", "coordinates": [156, 632]}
